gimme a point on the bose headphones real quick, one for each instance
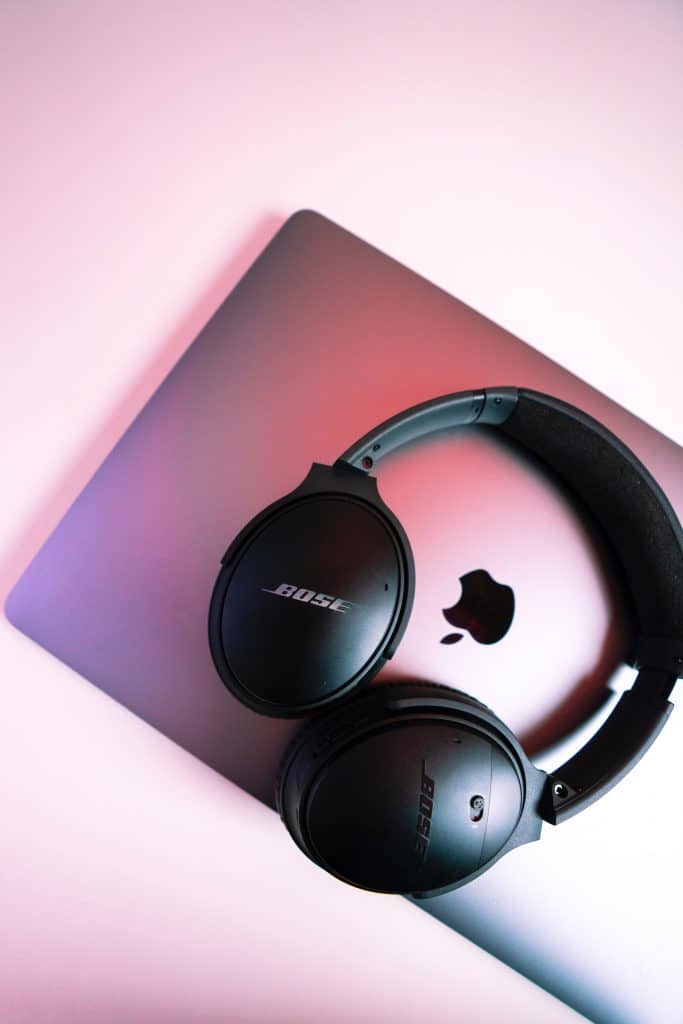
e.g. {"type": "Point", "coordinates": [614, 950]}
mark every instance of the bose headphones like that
{"type": "Point", "coordinates": [416, 788]}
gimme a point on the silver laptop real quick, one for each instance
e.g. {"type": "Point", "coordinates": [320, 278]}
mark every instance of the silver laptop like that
{"type": "Point", "coordinates": [323, 338]}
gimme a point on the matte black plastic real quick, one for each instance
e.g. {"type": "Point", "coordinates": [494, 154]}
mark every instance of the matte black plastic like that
{"type": "Point", "coordinates": [408, 788]}
{"type": "Point", "coordinates": [611, 753]}
{"type": "Point", "coordinates": [313, 595]}
{"type": "Point", "coordinates": [491, 406]}
{"type": "Point", "coordinates": [454, 410]}
{"type": "Point", "coordinates": [363, 808]}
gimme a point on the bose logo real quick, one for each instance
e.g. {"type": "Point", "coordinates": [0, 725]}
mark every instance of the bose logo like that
{"type": "Point", "coordinates": [424, 817]}
{"type": "Point", "coordinates": [335, 604]}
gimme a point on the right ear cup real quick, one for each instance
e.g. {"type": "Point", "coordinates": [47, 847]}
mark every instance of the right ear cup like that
{"type": "Point", "coordinates": [325, 724]}
{"type": "Point", "coordinates": [407, 788]}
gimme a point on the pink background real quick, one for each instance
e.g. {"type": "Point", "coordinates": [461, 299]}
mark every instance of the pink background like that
{"type": "Point", "coordinates": [528, 161]}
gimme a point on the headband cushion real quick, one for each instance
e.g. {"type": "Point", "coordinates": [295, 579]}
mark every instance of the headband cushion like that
{"type": "Point", "coordinates": [623, 497]}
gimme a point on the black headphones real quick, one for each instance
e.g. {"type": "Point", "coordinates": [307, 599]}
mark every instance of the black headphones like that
{"type": "Point", "coordinates": [412, 787]}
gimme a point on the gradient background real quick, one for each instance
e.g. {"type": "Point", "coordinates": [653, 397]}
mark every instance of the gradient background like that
{"type": "Point", "coordinates": [528, 162]}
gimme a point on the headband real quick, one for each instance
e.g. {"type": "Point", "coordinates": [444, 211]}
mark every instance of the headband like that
{"type": "Point", "coordinates": [641, 528]}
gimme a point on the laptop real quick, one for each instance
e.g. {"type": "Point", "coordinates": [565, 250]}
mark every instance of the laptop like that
{"type": "Point", "coordinates": [323, 338]}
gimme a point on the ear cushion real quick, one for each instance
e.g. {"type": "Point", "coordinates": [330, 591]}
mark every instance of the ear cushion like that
{"type": "Point", "coordinates": [328, 723]}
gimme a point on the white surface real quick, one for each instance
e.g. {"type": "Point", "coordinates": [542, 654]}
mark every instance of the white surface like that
{"type": "Point", "coordinates": [530, 163]}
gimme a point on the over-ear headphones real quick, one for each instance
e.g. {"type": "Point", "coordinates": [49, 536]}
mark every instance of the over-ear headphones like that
{"type": "Point", "coordinates": [412, 787]}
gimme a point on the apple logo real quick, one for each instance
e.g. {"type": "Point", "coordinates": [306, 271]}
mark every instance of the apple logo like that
{"type": "Point", "coordinates": [485, 609]}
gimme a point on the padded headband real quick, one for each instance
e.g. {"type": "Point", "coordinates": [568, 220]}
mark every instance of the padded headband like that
{"type": "Point", "coordinates": [642, 529]}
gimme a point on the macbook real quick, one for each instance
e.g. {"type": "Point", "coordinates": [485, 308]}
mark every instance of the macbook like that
{"type": "Point", "coordinates": [323, 338]}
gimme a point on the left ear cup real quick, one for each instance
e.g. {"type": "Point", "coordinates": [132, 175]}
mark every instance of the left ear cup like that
{"type": "Point", "coordinates": [406, 788]}
{"type": "Point", "coordinates": [313, 596]}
